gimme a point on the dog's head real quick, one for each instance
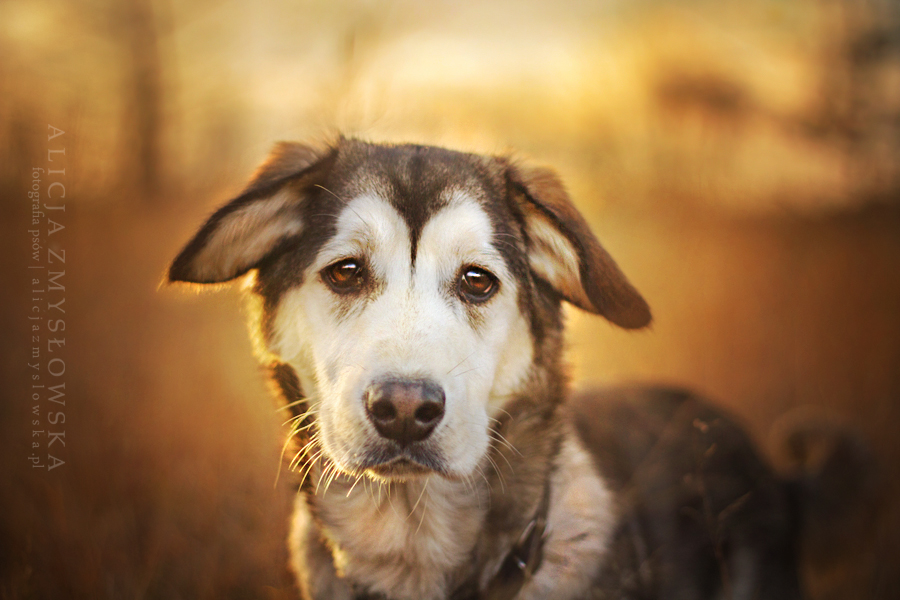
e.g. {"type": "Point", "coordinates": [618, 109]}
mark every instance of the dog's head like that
{"type": "Point", "coordinates": [412, 289]}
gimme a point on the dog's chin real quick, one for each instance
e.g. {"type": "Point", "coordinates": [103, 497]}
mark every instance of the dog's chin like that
{"type": "Point", "coordinates": [400, 469]}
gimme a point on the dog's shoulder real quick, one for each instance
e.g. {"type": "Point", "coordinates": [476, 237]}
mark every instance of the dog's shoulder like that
{"type": "Point", "coordinates": [580, 524]}
{"type": "Point", "coordinates": [695, 501]}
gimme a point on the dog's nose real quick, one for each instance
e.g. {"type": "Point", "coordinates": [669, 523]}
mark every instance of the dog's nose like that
{"type": "Point", "coordinates": [405, 410]}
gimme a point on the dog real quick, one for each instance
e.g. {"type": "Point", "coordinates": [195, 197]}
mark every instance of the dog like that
{"type": "Point", "coordinates": [408, 304]}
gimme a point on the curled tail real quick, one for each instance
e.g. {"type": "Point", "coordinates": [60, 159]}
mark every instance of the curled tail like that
{"type": "Point", "coordinates": [838, 491]}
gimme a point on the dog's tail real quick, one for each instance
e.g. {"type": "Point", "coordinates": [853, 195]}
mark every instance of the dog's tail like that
{"type": "Point", "coordinates": [834, 480]}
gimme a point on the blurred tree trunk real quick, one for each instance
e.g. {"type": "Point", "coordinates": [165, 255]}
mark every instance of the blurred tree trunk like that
{"type": "Point", "coordinates": [144, 97]}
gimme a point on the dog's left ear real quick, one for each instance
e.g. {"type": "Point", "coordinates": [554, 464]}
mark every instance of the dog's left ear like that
{"type": "Point", "coordinates": [563, 252]}
{"type": "Point", "coordinates": [244, 232]}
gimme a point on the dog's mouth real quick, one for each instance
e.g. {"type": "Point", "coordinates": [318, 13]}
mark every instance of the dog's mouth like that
{"type": "Point", "coordinates": [404, 465]}
{"type": "Point", "coordinates": [400, 468]}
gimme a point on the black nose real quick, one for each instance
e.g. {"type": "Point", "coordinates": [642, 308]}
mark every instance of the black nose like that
{"type": "Point", "coordinates": [405, 410]}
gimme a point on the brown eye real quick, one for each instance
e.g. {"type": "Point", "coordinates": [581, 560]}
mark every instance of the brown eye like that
{"type": "Point", "coordinates": [344, 276]}
{"type": "Point", "coordinates": [477, 285]}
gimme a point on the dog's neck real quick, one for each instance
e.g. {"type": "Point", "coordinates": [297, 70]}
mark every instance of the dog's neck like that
{"type": "Point", "coordinates": [526, 444]}
{"type": "Point", "coordinates": [409, 538]}
{"type": "Point", "coordinates": [428, 537]}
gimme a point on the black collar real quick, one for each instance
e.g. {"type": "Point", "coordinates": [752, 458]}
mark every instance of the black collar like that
{"type": "Point", "coordinates": [520, 563]}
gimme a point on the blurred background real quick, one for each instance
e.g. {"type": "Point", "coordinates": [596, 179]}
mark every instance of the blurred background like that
{"type": "Point", "coordinates": [739, 159]}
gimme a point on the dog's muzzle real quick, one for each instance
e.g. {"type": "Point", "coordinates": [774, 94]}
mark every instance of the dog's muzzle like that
{"type": "Point", "coordinates": [404, 410]}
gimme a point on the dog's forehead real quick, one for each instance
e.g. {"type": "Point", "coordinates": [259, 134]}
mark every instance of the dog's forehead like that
{"type": "Point", "coordinates": [418, 181]}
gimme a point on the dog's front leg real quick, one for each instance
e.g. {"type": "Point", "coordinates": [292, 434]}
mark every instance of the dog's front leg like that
{"type": "Point", "coordinates": [311, 559]}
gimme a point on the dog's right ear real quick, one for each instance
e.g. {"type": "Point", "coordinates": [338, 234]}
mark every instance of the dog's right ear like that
{"type": "Point", "coordinates": [238, 236]}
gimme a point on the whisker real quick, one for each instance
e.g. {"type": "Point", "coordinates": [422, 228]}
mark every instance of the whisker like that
{"type": "Point", "coordinates": [419, 499]}
{"type": "Point", "coordinates": [313, 442]}
{"type": "Point", "coordinates": [325, 472]}
{"type": "Point", "coordinates": [335, 472]}
{"type": "Point", "coordinates": [424, 508]}
{"type": "Point", "coordinates": [499, 437]}
{"type": "Point", "coordinates": [508, 464]}
{"type": "Point", "coordinates": [297, 424]}
{"type": "Point", "coordinates": [391, 501]}
{"type": "Point", "coordinates": [499, 474]}
{"type": "Point", "coordinates": [325, 189]}
{"type": "Point", "coordinates": [291, 404]}
{"type": "Point", "coordinates": [315, 458]}
{"type": "Point", "coordinates": [468, 371]}
{"type": "Point", "coordinates": [299, 417]}
{"type": "Point", "coordinates": [508, 414]}
{"type": "Point", "coordinates": [287, 442]}
{"type": "Point", "coordinates": [480, 471]}
{"type": "Point", "coordinates": [358, 477]}
{"type": "Point", "coordinates": [343, 201]}
{"type": "Point", "coordinates": [461, 362]}
{"type": "Point", "coordinates": [300, 456]}
{"type": "Point", "coordinates": [378, 501]}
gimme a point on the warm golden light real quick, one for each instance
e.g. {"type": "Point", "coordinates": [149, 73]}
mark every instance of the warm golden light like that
{"type": "Point", "coordinates": [739, 159]}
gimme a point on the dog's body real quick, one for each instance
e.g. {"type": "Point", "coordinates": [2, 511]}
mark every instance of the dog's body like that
{"type": "Point", "coordinates": [410, 311]}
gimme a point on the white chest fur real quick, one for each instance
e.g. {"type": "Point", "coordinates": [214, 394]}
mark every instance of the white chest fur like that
{"type": "Point", "coordinates": [402, 538]}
